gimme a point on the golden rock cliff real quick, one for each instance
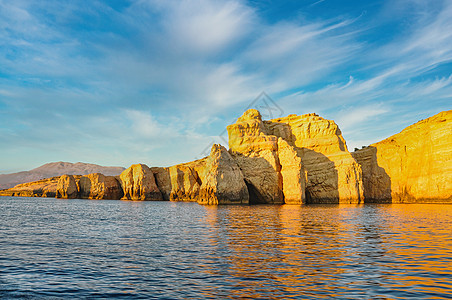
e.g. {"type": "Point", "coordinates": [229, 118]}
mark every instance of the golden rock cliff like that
{"type": "Point", "coordinates": [256, 154]}
{"type": "Point", "coordinates": [292, 160]}
{"type": "Point", "coordinates": [333, 175]}
{"type": "Point", "coordinates": [138, 183]}
{"type": "Point", "coordinates": [288, 160]}
{"type": "Point", "coordinates": [181, 182]}
{"type": "Point", "coordinates": [223, 181]}
{"type": "Point", "coordinates": [414, 165]}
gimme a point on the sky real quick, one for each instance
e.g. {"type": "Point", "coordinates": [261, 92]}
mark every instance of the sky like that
{"type": "Point", "coordinates": [157, 81]}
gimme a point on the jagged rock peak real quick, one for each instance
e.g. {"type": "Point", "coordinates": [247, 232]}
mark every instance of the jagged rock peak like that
{"type": "Point", "coordinates": [250, 114]}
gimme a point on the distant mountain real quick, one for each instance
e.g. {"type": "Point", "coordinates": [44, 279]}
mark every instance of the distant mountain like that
{"type": "Point", "coordinates": [55, 169]}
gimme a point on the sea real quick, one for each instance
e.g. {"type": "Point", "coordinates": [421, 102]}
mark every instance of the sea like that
{"type": "Point", "coordinates": [98, 249]}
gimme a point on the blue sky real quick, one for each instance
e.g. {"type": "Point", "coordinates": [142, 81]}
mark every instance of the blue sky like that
{"type": "Point", "coordinates": [156, 82]}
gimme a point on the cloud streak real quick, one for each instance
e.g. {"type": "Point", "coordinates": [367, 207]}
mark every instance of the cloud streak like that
{"type": "Point", "coordinates": [137, 82]}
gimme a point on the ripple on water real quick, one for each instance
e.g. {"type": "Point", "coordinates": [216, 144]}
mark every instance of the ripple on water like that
{"type": "Point", "coordinates": [100, 249]}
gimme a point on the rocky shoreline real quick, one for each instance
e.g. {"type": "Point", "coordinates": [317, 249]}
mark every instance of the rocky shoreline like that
{"type": "Point", "coordinates": [290, 160]}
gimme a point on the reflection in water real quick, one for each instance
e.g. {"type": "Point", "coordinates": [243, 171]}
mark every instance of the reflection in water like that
{"type": "Point", "coordinates": [341, 251]}
{"type": "Point", "coordinates": [82, 248]}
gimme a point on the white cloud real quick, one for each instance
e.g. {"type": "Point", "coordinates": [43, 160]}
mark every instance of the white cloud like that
{"type": "Point", "coordinates": [196, 63]}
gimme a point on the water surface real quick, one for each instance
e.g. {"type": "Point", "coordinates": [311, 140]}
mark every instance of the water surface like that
{"type": "Point", "coordinates": [98, 249]}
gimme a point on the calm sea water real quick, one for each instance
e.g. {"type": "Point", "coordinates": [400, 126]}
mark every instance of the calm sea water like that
{"type": "Point", "coordinates": [52, 248]}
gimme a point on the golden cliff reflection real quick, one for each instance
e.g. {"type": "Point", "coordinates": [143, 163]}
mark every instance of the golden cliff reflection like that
{"type": "Point", "coordinates": [297, 251]}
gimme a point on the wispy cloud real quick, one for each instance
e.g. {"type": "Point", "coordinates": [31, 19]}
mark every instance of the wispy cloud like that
{"type": "Point", "coordinates": [142, 79]}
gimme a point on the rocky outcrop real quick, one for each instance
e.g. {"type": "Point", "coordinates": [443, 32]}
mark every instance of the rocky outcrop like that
{"type": "Point", "coordinates": [41, 188]}
{"type": "Point", "coordinates": [138, 183]}
{"type": "Point", "coordinates": [412, 166]}
{"type": "Point", "coordinates": [181, 182]}
{"type": "Point", "coordinates": [293, 174]}
{"type": "Point", "coordinates": [288, 160]}
{"type": "Point", "coordinates": [53, 170]}
{"type": "Point", "coordinates": [223, 181]}
{"type": "Point", "coordinates": [99, 186]}
{"type": "Point", "coordinates": [67, 187]}
{"type": "Point", "coordinates": [256, 154]}
{"type": "Point", "coordinates": [292, 160]}
{"type": "Point", "coordinates": [333, 175]}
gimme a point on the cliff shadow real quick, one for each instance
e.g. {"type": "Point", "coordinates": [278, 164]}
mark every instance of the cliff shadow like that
{"type": "Point", "coordinates": [376, 181]}
{"type": "Point", "coordinates": [322, 185]}
{"type": "Point", "coordinates": [262, 180]}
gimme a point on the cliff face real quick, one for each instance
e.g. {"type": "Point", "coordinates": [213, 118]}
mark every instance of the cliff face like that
{"type": "Point", "coordinates": [256, 154]}
{"type": "Point", "coordinates": [53, 170]}
{"type": "Point", "coordinates": [138, 183]}
{"type": "Point", "coordinates": [223, 181]}
{"type": "Point", "coordinates": [276, 155]}
{"type": "Point", "coordinates": [333, 175]}
{"type": "Point", "coordinates": [292, 160]}
{"type": "Point", "coordinates": [414, 165]}
{"type": "Point", "coordinates": [181, 182]}
{"type": "Point", "coordinates": [41, 188]}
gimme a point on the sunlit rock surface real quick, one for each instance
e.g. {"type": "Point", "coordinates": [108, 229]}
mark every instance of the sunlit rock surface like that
{"type": "Point", "coordinates": [293, 174]}
{"type": "Point", "coordinates": [138, 183]}
{"type": "Point", "coordinates": [67, 187]}
{"type": "Point", "coordinates": [181, 182]}
{"type": "Point", "coordinates": [41, 188]}
{"type": "Point", "coordinates": [99, 186]}
{"type": "Point", "coordinates": [256, 154]}
{"type": "Point", "coordinates": [223, 181]}
{"type": "Point", "coordinates": [414, 165]}
{"type": "Point", "coordinates": [333, 175]}
{"type": "Point", "coordinates": [291, 160]}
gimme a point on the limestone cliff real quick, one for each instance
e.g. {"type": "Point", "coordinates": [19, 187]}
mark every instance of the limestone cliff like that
{"type": "Point", "coordinates": [414, 165]}
{"type": "Point", "coordinates": [256, 154]}
{"type": "Point", "coordinates": [138, 183]}
{"type": "Point", "coordinates": [333, 175]}
{"type": "Point", "coordinates": [41, 188]}
{"type": "Point", "coordinates": [99, 186]}
{"type": "Point", "coordinates": [67, 187]}
{"type": "Point", "coordinates": [292, 160]}
{"type": "Point", "coordinates": [181, 182]}
{"type": "Point", "coordinates": [223, 180]}
{"type": "Point", "coordinates": [289, 159]}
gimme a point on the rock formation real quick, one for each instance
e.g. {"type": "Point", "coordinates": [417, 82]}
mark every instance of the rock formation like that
{"type": "Point", "coordinates": [41, 188]}
{"type": "Point", "coordinates": [67, 187]}
{"type": "Point", "coordinates": [414, 165]}
{"type": "Point", "coordinates": [98, 186]}
{"type": "Point", "coordinates": [293, 174]}
{"type": "Point", "coordinates": [138, 183]}
{"type": "Point", "coordinates": [223, 180]}
{"type": "Point", "coordinates": [256, 154]}
{"type": "Point", "coordinates": [292, 160]}
{"type": "Point", "coordinates": [181, 182]}
{"type": "Point", "coordinates": [53, 170]}
{"type": "Point", "coordinates": [333, 175]}
{"type": "Point", "coordinates": [276, 155]}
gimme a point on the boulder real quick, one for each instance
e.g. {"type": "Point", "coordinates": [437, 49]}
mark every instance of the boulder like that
{"type": "Point", "coordinates": [138, 183]}
{"type": "Point", "coordinates": [223, 181]}
{"type": "Point", "coordinates": [67, 187]}
{"type": "Point", "coordinates": [99, 186]}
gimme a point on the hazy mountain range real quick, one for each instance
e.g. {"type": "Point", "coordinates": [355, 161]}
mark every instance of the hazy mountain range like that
{"type": "Point", "coordinates": [55, 169]}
